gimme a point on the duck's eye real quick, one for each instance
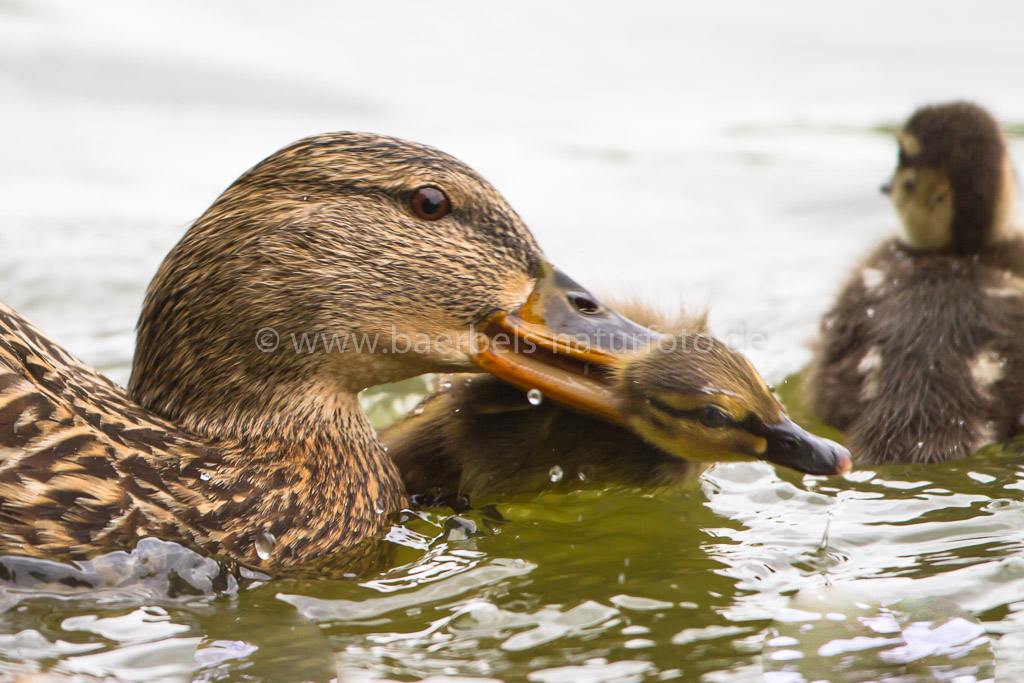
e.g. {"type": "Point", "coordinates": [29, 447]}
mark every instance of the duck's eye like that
{"type": "Point", "coordinates": [430, 203]}
{"type": "Point", "coordinates": [909, 185]}
{"type": "Point", "coordinates": [712, 417]}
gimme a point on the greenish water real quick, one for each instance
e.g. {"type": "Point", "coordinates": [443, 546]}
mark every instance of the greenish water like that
{"type": "Point", "coordinates": [591, 585]}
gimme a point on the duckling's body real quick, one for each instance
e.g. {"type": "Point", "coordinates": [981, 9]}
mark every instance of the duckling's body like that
{"type": "Point", "coordinates": [235, 437]}
{"type": "Point", "coordinates": [478, 436]}
{"type": "Point", "coordinates": [921, 358]}
{"type": "Point", "coordinates": [686, 401]}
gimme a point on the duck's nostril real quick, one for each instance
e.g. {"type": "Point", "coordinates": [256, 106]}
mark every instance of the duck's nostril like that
{"type": "Point", "coordinates": [585, 305]}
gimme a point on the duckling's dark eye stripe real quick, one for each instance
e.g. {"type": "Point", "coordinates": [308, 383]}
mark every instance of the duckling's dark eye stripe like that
{"type": "Point", "coordinates": [693, 414]}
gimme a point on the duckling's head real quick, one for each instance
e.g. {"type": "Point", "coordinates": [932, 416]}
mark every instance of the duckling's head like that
{"type": "Point", "coordinates": [694, 397]}
{"type": "Point", "coordinates": [954, 187]}
{"type": "Point", "coordinates": [340, 262]}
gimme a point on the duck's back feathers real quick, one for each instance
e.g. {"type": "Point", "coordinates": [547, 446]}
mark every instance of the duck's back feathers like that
{"type": "Point", "coordinates": [83, 469]}
{"type": "Point", "coordinates": [70, 442]}
{"type": "Point", "coordinates": [921, 357]}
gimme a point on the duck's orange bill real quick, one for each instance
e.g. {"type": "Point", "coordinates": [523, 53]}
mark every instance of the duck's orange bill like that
{"type": "Point", "coordinates": [568, 378]}
{"type": "Point", "coordinates": [564, 343]}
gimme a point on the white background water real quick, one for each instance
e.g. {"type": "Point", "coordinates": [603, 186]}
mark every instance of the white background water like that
{"type": "Point", "coordinates": [718, 154]}
{"type": "Point", "coordinates": [721, 154]}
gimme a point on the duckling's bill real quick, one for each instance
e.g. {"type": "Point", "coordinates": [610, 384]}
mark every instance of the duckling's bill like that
{"type": "Point", "coordinates": [789, 445]}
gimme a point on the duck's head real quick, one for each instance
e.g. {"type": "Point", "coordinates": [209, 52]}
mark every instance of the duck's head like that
{"type": "Point", "coordinates": [348, 260]}
{"type": "Point", "coordinates": [954, 187]}
{"type": "Point", "coordinates": [695, 398]}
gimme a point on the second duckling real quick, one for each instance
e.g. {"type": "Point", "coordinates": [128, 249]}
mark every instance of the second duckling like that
{"type": "Point", "coordinates": [686, 401]}
{"type": "Point", "coordinates": [921, 358]}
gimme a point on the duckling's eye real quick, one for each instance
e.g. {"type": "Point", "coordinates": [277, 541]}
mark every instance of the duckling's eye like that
{"type": "Point", "coordinates": [712, 417]}
{"type": "Point", "coordinates": [430, 203]}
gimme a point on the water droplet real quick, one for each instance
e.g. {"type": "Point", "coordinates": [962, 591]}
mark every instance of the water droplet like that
{"type": "Point", "coordinates": [585, 473]}
{"type": "Point", "coordinates": [556, 473]}
{"type": "Point", "coordinates": [379, 506]}
{"type": "Point", "coordinates": [534, 397]}
{"type": "Point", "coordinates": [445, 385]}
{"type": "Point", "coordinates": [205, 475]}
{"type": "Point", "coordinates": [920, 444]}
{"type": "Point", "coordinates": [265, 543]}
{"type": "Point", "coordinates": [870, 312]}
{"type": "Point", "coordinates": [457, 409]}
{"type": "Point", "coordinates": [417, 410]}
{"type": "Point", "coordinates": [622, 578]}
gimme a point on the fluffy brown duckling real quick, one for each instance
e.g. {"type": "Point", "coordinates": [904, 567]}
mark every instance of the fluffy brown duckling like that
{"type": "Point", "coordinates": [685, 401]}
{"type": "Point", "coordinates": [235, 435]}
{"type": "Point", "coordinates": [921, 358]}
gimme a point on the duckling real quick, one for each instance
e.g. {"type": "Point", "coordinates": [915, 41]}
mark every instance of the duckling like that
{"type": "Point", "coordinates": [684, 401]}
{"type": "Point", "coordinates": [921, 358]}
{"type": "Point", "coordinates": [342, 261]}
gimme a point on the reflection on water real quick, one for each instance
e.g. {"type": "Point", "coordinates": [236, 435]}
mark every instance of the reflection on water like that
{"type": "Point", "coordinates": [834, 634]}
{"type": "Point", "coordinates": [716, 154]}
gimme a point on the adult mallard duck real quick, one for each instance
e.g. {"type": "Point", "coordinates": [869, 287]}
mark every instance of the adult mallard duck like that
{"type": "Point", "coordinates": [921, 358]}
{"type": "Point", "coordinates": [678, 404]}
{"type": "Point", "coordinates": [340, 262]}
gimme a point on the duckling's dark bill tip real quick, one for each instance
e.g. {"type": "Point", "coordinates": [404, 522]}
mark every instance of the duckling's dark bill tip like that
{"type": "Point", "coordinates": [791, 446]}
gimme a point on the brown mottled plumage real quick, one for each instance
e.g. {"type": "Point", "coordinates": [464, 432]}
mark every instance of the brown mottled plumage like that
{"type": "Point", "coordinates": [235, 439]}
{"type": "Point", "coordinates": [479, 437]}
{"type": "Point", "coordinates": [921, 358]}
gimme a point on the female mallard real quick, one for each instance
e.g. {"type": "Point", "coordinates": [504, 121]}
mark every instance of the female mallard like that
{"type": "Point", "coordinates": [685, 400]}
{"type": "Point", "coordinates": [340, 262]}
{"type": "Point", "coordinates": [921, 359]}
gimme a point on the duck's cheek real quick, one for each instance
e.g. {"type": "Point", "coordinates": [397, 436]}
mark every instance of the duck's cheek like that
{"type": "Point", "coordinates": [430, 349]}
{"type": "Point", "coordinates": [359, 360]}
